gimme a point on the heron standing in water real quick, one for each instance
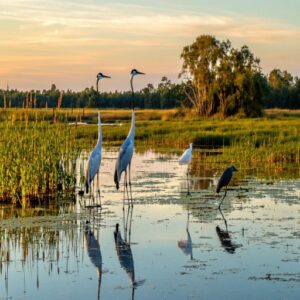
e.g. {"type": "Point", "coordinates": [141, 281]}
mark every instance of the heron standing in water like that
{"type": "Point", "coordinates": [94, 161]}
{"type": "Point", "coordinates": [125, 154]}
{"type": "Point", "coordinates": [224, 181]}
{"type": "Point", "coordinates": [185, 159]}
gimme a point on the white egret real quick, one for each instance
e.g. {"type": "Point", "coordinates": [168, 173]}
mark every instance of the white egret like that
{"type": "Point", "coordinates": [224, 181]}
{"type": "Point", "coordinates": [185, 159]}
{"type": "Point", "coordinates": [94, 161]}
{"type": "Point", "coordinates": [126, 150]}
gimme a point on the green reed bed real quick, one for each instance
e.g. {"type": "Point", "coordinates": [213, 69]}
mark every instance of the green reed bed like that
{"type": "Point", "coordinates": [250, 140]}
{"type": "Point", "coordinates": [35, 158]}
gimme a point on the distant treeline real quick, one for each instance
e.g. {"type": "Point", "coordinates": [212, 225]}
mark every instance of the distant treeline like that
{"type": "Point", "coordinates": [217, 79]}
{"type": "Point", "coordinates": [165, 95]}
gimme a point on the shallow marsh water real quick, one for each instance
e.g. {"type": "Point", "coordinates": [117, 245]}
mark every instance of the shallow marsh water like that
{"type": "Point", "coordinates": [179, 245]}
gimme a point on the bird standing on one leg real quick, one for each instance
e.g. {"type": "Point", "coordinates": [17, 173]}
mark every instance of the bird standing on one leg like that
{"type": "Point", "coordinates": [185, 159]}
{"type": "Point", "coordinates": [125, 154]}
{"type": "Point", "coordinates": [224, 181]}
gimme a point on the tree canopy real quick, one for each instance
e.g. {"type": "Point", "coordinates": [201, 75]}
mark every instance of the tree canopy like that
{"type": "Point", "coordinates": [217, 78]}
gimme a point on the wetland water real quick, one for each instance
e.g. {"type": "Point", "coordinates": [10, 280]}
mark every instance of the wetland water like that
{"type": "Point", "coordinates": [178, 246]}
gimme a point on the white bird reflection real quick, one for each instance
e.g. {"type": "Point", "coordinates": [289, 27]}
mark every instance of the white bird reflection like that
{"type": "Point", "coordinates": [123, 248]}
{"type": "Point", "coordinates": [92, 247]}
{"type": "Point", "coordinates": [187, 245]}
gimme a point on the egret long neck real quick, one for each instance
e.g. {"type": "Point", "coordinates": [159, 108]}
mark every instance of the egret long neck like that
{"type": "Point", "coordinates": [132, 128]}
{"type": "Point", "coordinates": [99, 131]}
{"type": "Point", "coordinates": [132, 93]}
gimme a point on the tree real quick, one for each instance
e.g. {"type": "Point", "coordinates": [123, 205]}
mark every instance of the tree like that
{"type": "Point", "coordinates": [200, 60]}
{"type": "Point", "coordinates": [221, 78]}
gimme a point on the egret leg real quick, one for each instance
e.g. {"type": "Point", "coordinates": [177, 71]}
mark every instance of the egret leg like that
{"type": "Point", "coordinates": [124, 193]}
{"type": "Point", "coordinates": [223, 197]}
{"type": "Point", "coordinates": [130, 221]}
{"type": "Point", "coordinates": [188, 182]}
{"type": "Point", "coordinates": [188, 218]}
{"type": "Point", "coordinates": [127, 191]}
{"type": "Point", "coordinates": [126, 226]}
{"type": "Point", "coordinates": [129, 168]}
{"type": "Point", "coordinates": [98, 189]}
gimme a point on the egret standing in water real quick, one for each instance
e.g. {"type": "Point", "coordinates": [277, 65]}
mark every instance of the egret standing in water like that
{"type": "Point", "coordinates": [224, 181]}
{"type": "Point", "coordinates": [185, 159]}
{"type": "Point", "coordinates": [125, 154]}
{"type": "Point", "coordinates": [94, 161]}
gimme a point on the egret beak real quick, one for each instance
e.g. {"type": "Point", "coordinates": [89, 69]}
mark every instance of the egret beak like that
{"type": "Point", "coordinates": [140, 73]}
{"type": "Point", "coordinates": [104, 76]}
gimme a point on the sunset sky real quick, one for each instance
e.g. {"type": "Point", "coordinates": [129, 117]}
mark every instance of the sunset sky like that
{"type": "Point", "coordinates": [68, 42]}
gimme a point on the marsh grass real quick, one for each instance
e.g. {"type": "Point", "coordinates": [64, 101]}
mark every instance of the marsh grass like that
{"type": "Point", "coordinates": [38, 148]}
{"type": "Point", "coordinates": [264, 140]}
{"type": "Point", "coordinates": [35, 157]}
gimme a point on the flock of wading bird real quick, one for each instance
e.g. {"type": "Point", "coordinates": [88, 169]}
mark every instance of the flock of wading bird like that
{"type": "Point", "coordinates": [123, 163]}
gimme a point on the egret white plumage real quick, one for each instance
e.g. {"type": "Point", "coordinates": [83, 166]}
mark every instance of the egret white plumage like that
{"type": "Point", "coordinates": [94, 161]}
{"type": "Point", "coordinates": [185, 159]}
{"type": "Point", "coordinates": [126, 151]}
{"type": "Point", "coordinates": [224, 181]}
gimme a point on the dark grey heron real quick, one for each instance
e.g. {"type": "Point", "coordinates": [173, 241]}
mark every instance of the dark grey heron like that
{"type": "Point", "coordinates": [126, 151]}
{"type": "Point", "coordinates": [224, 181]}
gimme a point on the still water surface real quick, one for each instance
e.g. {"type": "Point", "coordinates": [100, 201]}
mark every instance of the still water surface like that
{"type": "Point", "coordinates": [173, 246]}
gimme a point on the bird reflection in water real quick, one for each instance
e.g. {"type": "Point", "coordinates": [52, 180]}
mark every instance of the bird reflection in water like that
{"type": "Point", "coordinates": [187, 245]}
{"type": "Point", "coordinates": [92, 247]}
{"type": "Point", "coordinates": [225, 238]}
{"type": "Point", "coordinates": [123, 248]}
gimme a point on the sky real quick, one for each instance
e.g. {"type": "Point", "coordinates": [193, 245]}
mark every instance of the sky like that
{"type": "Point", "coordinates": [67, 42]}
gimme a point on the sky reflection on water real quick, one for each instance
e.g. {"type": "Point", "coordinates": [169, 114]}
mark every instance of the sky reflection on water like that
{"type": "Point", "coordinates": [54, 254]}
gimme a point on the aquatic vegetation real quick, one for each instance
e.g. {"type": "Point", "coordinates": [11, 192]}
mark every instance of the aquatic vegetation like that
{"type": "Point", "coordinates": [268, 140]}
{"type": "Point", "coordinates": [36, 158]}
{"type": "Point", "coordinates": [38, 148]}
